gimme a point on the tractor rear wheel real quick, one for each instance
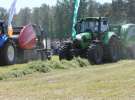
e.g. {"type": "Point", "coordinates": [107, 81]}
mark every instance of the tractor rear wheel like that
{"type": "Point", "coordinates": [8, 53]}
{"type": "Point", "coordinates": [114, 51]}
{"type": "Point", "coordinates": [65, 52]}
{"type": "Point", "coordinates": [95, 54]}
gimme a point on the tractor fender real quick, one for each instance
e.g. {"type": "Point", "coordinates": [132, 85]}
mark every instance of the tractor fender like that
{"type": "Point", "coordinates": [108, 36]}
{"type": "Point", "coordinates": [3, 39]}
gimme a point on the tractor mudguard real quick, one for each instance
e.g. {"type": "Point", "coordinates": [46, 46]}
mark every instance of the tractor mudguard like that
{"type": "Point", "coordinates": [3, 39]}
{"type": "Point", "coordinates": [108, 36]}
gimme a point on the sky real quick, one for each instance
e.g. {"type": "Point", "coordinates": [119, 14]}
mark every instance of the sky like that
{"type": "Point", "coordinates": [33, 3]}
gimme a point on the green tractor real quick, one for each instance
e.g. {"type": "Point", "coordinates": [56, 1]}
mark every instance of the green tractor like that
{"type": "Point", "coordinates": [93, 40]}
{"type": "Point", "coordinates": [126, 33]}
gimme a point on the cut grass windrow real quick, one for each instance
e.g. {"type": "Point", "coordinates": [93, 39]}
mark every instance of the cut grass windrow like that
{"type": "Point", "coordinates": [40, 66]}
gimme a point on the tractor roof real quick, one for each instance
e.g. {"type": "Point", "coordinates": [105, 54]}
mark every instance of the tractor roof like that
{"type": "Point", "coordinates": [92, 19]}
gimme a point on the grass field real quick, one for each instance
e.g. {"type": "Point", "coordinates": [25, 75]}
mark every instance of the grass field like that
{"type": "Point", "coordinates": [115, 81]}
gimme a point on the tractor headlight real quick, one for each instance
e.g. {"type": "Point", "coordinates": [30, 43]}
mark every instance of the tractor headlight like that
{"type": "Point", "coordinates": [78, 37]}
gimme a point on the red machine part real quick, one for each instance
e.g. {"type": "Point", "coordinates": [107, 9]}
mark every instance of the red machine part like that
{"type": "Point", "coordinates": [27, 37]}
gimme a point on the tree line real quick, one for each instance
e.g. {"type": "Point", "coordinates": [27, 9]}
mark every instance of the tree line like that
{"type": "Point", "coordinates": [57, 20]}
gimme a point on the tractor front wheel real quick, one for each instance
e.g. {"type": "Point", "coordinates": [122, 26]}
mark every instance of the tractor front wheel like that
{"type": "Point", "coordinates": [95, 54]}
{"type": "Point", "coordinates": [8, 53]}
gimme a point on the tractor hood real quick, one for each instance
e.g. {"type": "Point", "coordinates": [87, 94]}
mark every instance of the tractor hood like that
{"type": "Point", "coordinates": [83, 36]}
{"type": "Point", "coordinates": [82, 40]}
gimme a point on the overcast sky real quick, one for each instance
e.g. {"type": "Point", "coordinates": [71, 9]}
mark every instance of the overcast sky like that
{"type": "Point", "coordinates": [32, 3]}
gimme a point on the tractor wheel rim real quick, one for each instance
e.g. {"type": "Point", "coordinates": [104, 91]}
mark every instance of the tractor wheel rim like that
{"type": "Point", "coordinates": [11, 53]}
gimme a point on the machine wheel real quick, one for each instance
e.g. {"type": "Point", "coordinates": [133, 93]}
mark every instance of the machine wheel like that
{"type": "Point", "coordinates": [65, 53]}
{"type": "Point", "coordinates": [114, 51]}
{"type": "Point", "coordinates": [95, 53]}
{"type": "Point", "coordinates": [8, 53]}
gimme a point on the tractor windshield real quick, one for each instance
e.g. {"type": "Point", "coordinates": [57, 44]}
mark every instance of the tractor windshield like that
{"type": "Point", "coordinates": [87, 26]}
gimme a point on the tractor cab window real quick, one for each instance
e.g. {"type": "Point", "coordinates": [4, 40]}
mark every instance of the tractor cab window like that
{"type": "Point", "coordinates": [89, 26]}
{"type": "Point", "coordinates": [104, 26]}
{"type": "Point", "coordinates": [85, 26]}
{"type": "Point", "coordinates": [1, 28]}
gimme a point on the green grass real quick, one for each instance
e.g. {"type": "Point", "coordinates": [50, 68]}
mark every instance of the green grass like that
{"type": "Point", "coordinates": [71, 81]}
{"type": "Point", "coordinates": [20, 70]}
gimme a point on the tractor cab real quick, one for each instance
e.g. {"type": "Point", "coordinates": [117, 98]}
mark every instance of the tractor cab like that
{"type": "Point", "coordinates": [90, 29]}
{"type": "Point", "coordinates": [92, 25]}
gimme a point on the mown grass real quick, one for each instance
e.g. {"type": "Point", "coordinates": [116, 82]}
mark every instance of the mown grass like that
{"type": "Point", "coordinates": [40, 66]}
{"type": "Point", "coordinates": [115, 81]}
{"type": "Point", "coordinates": [68, 80]}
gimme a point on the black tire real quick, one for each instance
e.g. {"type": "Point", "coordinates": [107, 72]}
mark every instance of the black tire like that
{"type": "Point", "coordinates": [65, 52]}
{"type": "Point", "coordinates": [95, 54]}
{"type": "Point", "coordinates": [8, 53]}
{"type": "Point", "coordinates": [114, 49]}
